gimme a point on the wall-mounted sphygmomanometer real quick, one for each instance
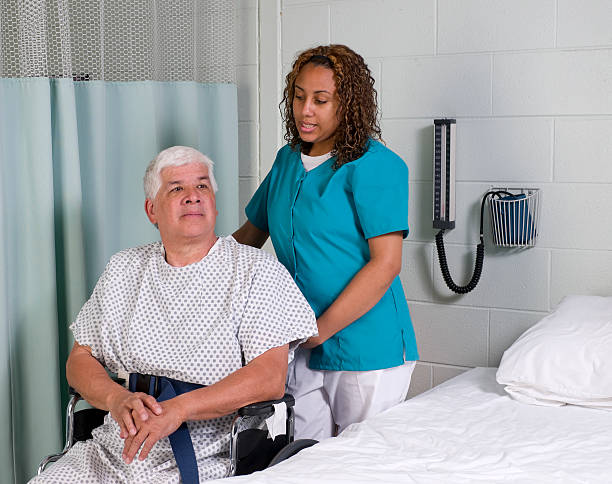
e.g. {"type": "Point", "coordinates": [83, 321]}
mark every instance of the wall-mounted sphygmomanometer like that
{"type": "Point", "coordinates": [514, 211]}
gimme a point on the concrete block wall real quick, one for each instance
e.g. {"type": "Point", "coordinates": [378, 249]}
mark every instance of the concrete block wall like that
{"type": "Point", "coordinates": [530, 84]}
{"type": "Point", "coordinates": [247, 43]}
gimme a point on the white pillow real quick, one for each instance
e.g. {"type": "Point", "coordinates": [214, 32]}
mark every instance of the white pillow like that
{"type": "Point", "coordinates": [566, 358]}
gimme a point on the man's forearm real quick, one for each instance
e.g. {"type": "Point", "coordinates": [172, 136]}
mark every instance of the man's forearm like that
{"type": "Point", "coordinates": [263, 379]}
{"type": "Point", "coordinates": [86, 375]}
{"type": "Point", "coordinates": [90, 379]}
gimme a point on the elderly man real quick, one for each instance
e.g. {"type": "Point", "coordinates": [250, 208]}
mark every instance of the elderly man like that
{"type": "Point", "coordinates": [203, 313]}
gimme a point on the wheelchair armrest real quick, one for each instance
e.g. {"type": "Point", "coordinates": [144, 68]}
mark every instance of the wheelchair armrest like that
{"type": "Point", "coordinates": [263, 408]}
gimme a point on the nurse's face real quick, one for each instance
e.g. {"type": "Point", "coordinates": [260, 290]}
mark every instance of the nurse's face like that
{"type": "Point", "coordinates": [315, 108]}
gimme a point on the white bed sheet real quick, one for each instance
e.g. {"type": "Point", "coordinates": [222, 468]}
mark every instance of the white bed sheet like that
{"type": "Point", "coordinates": [465, 430]}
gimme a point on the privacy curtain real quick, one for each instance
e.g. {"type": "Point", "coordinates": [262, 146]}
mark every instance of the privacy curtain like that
{"type": "Point", "coordinates": [90, 91]}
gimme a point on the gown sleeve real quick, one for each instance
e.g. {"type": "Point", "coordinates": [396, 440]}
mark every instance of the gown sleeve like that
{"type": "Point", "coordinates": [276, 313]}
{"type": "Point", "coordinates": [87, 328]}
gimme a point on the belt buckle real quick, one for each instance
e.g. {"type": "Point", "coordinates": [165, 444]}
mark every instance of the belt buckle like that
{"type": "Point", "coordinates": [143, 383]}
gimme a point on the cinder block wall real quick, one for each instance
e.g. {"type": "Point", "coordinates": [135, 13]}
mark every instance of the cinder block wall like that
{"type": "Point", "coordinates": [530, 84]}
{"type": "Point", "coordinates": [247, 42]}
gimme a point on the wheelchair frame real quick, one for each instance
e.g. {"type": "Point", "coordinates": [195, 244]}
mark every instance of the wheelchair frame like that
{"type": "Point", "coordinates": [74, 398]}
{"type": "Point", "coordinates": [258, 409]}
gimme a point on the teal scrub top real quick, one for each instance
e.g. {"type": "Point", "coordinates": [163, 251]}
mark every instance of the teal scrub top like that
{"type": "Point", "coordinates": [319, 222]}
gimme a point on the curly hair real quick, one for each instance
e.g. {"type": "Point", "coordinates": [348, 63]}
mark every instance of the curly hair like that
{"type": "Point", "coordinates": [358, 107]}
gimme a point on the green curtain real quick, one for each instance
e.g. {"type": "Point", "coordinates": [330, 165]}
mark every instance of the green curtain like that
{"type": "Point", "coordinates": [72, 157]}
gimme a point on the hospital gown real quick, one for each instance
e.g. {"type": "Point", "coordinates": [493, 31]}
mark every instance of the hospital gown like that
{"type": "Point", "coordinates": [197, 323]}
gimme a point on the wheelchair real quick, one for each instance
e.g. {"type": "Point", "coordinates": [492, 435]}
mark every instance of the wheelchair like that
{"type": "Point", "coordinates": [251, 448]}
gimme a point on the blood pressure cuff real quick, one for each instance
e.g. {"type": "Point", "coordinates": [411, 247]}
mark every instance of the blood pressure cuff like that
{"type": "Point", "coordinates": [516, 219]}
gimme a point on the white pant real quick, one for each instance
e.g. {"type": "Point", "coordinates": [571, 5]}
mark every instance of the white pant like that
{"type": "Point", "coordinates": [325, 399]}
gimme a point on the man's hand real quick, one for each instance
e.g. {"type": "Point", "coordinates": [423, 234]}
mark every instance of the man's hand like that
{"type": "Point", "coordinates": [124, 405]}
{"type": "Point", "coordinates": [151, 429]}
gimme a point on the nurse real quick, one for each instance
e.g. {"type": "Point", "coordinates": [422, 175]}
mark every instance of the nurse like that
{"type": "Point", "coordinates": [335, 205]}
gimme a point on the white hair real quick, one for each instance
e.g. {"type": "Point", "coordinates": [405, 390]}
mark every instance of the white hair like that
{"type": "Point", "coordinates": [174, 156]}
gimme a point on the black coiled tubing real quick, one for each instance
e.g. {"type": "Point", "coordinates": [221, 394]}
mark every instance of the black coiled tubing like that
{"type": "Point", "coordinates": [479, 253]}
{"type": "Point", "coordinates": [446, 273]}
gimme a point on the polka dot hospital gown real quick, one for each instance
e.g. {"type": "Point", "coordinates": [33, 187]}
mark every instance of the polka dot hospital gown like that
{"type": "Point", "coordinates": [192, 323]}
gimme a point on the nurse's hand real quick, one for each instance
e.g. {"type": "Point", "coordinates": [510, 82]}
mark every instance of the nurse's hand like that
{"type": "Point", "coordinates": [322, 337]}
{"type": "Point", "coordinates": [313, 341]}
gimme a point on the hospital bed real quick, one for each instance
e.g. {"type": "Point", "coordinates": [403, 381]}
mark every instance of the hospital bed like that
{"type": "Point", "coordinates": [474, 429]}
{"type": "Point", "coordinates": [463, 431]}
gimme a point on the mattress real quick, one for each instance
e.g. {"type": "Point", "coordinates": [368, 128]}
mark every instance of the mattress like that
{"type": "Point", "coordinates": [465, 430]}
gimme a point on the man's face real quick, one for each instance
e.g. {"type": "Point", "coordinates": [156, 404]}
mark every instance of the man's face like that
{"type": "Point", "coordinates": [184, 207]}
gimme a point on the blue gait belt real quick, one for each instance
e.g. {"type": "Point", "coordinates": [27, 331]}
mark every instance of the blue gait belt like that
{"type": "Point", "coordinates": [163, 388]}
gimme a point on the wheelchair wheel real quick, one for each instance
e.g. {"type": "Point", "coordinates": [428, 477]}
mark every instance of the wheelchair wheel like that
{"type": "Point", "coordinates": [291, 449]}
